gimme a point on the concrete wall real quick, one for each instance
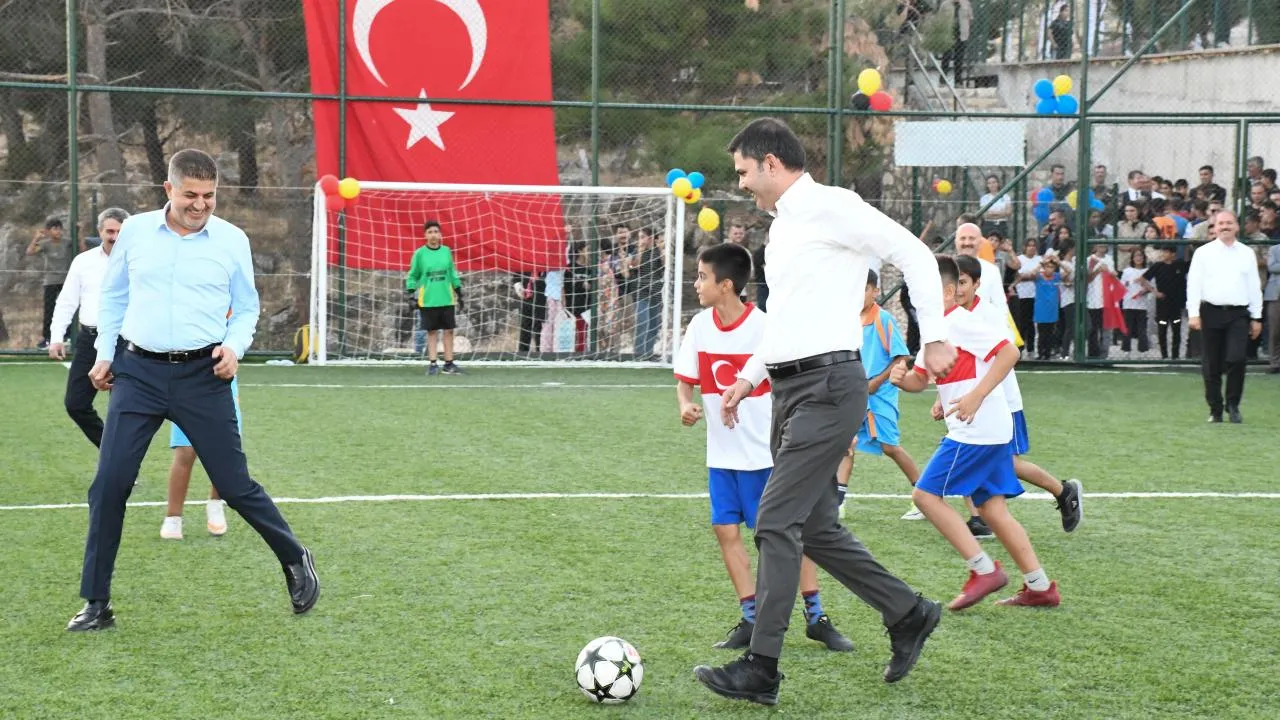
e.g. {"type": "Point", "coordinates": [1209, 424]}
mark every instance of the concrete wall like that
{"type": "Point", "coordinates": [1222, 81]}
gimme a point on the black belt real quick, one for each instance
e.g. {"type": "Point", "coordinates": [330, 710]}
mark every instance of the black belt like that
{"type": "Point", "coordinates": [177, 356]}
{"type": "Point", "coordinates": [779, 371]}
{"type": "Point", "coordinates": [89, 329]}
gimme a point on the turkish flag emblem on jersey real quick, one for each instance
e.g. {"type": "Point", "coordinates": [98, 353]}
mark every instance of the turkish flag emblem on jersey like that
{"type": "Point", "coordinates": [717, 372]}
{"type": "Point", "coordinates": [463, 49]}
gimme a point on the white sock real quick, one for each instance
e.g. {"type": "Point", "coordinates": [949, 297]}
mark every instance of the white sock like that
{"type": "Point", "coordinates": [1037, 580]}
{"type": "Point", "coordinates": [981, 564]}
{"type": "Point", "coordinates": [215, 505]}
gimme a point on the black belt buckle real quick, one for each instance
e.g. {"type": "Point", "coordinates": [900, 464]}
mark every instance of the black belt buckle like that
{"type": "Point", "coordinates": [89, 329]}
{"type": "Point", "coordinates": [779, 371]}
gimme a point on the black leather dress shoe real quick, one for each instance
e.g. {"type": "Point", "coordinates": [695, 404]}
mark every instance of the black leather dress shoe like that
{"type": "Point", "coordinates": [304, 585]}
{"type": "Point", "coordinates": [824, 632]}
{"type": "Point", "coordinates": [1233, 413]}
{"type": "Point", "coordinates": [741, 679]}
{"type": "Point", "coordinates": [908, 636]}
{"type": "Point", "coordinates": [96, 615]}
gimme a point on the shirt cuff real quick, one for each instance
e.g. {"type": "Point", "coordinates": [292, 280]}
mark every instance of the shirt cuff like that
{"type": "Point", "coordinates": [754, 371]}
{"type": "Point", "coordinates": [106, 350]}
{"type": "Point", "coordinates": [933, 328]}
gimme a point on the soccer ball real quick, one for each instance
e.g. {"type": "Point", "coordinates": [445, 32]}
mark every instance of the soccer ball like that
{"type": "Point", "coordinates": [609, 670]}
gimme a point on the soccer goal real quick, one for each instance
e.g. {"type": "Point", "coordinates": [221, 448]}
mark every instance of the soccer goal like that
{"type": "Point", "coordinates": [548, 274]}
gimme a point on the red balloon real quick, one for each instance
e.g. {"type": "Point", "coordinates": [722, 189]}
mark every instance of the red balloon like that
{"type": "Point", "coordinates": [334, 202]}
{"type": "Point", "coordinates": [881, 101]}
{"type": "Point", "coordinates": [329, 184]}
{"type": "Point", "coordinates": [935, 184]}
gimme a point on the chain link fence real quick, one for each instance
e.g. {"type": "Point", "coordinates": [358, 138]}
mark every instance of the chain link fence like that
{"type": "Point", "coordinates": [636, 87]}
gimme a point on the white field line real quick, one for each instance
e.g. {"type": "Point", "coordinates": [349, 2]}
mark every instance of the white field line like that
{"type": "Point", "coordinates": [644, 496]}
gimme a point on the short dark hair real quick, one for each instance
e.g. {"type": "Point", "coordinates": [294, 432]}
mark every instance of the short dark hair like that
{"type": "Point", "coordinates": [873, 280]}
{"type": "Point", "coordinates": [431, 224]}
{"type": "Point", "coordinates": [728, 261]}
{"type": "Point", "coordinates": [1270, 174]}
{"type": "Point", "coordinates": [1252, 216]}
{"type": "Point", "coordinates": [52, 223]}
{"type": "Point", "coordinates": [970, 266]}
{"type": "Point", "coordinates": [1267, 204]}
{"type": "Point", "coordinates": [1201, 205]}
{"type": "Point", "coordinates": [1134, 173]}
{"type": "Point", "coordinates": [966, 218]}
{"type": "Point", "coordinates": [948, 270]}
{"type": "Point", "coordinates": [1207, 167]}
{"type": "Point", "coordinates": [1057, 166]}
{"type": "Point", "coordinates": [621, 226]}
{"type": "Point", "coordinates": [192, 164]}
{"type": "Point", "coordinates": [769, 136]}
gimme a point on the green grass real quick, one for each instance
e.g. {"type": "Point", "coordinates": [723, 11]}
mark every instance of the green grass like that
{"type": "Point", "coordinates": [450, 609]}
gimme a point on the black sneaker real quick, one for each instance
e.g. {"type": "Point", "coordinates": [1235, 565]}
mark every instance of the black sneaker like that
{"type": "Point", "coordinates": [451, 369]}
{"type": "Point", "coordinates": [1215, 417]}
{"type": "Point", "coordinates": [824, 632]}
{"type": "Point", "coordinates": [908, 636]}
{"type": "Point", "coordinates": [1069, 505]}
{"type": "Point", "coordinates": [1233, 413]}
{"type": "Point", "coordinates": [742, 679]}
{"type": "Point", "coordinates": [979, 528]}
{"type": "Point", "coordinates": [739, 637]}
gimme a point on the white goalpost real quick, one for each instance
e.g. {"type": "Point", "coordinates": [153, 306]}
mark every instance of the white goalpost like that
{"type": "Point", "coordinates": [549, 274]}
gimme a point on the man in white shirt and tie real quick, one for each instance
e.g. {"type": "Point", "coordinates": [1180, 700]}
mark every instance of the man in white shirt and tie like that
{"type": "Point", "coordinates": [82, 290]}
{"type": "Point", "coordinates": [1224, 302]}
{"type": "Point", "coordinates": [820, 244]}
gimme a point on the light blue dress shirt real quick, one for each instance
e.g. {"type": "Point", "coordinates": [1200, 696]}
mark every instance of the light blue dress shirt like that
{"type": "Point", "coordinates": [167, 292]}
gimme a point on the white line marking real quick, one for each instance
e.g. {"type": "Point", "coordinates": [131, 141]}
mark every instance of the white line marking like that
{"type": "Point", "coordinates": [643, 496]}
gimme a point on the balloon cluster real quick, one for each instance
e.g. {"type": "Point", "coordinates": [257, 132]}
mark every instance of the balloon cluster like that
{"type": "Point", "coordinates": [1042, 202]}
{"type": "Point", "coordinates": [688, 187]}
{"type": "Point", "coordinates": [339, 194]}
{"type": "Point", "coordinates": [869, 95]}
{"type": "Point", "coordinates": [942, 187]}
{"type": "Point", "coordinates": [1054, 98]}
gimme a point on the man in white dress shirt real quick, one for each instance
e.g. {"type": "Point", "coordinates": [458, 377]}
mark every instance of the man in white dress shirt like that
{"type": "Point", "coordinates": [82, 290]}
{"type": "Point", "coordinates": [816, 265]}
{"type": "Point", "coordinates": [1224, 302]}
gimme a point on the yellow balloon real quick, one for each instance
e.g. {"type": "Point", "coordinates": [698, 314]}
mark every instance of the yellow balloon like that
{"type": "Point", "coordinates": [944, 187]}
{"type": "Point", "coordinates": [694, 196]}
{"type": "Point", "coordinates": [708, 219]}
{"type": "Point", "coordinates": [682, 187]}
{"type": "Point", "coordinates": [1062, 85]}
{"type": "Point", "coordinates": [1071, 199]}
{"type": "Point", "coordinates": [349, 188]}
{"type": "Point", "coordinates": [869, 81]}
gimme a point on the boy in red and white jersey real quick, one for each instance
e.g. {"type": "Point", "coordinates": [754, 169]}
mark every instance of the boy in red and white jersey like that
{"type": "Point", "coordinates": [715, 347]}
{"type": "Point", "coordinates": [975, 459]}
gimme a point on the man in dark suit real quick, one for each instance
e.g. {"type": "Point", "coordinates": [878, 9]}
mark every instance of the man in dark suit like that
{"type": "Point", "coordinates": [167, 349]}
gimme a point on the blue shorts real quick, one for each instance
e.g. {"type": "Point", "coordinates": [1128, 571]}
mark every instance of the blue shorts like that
{"type": "Point", "coordinates": [876, 431]}
{"type": "Point", "coordinates": [735, 495]}
{"type": "Point", "coordinates": [1021, 442]}
{"type": "Point", "coordinates": [977, 471]}
{"type": "Point", "coordinates": [178, 439]}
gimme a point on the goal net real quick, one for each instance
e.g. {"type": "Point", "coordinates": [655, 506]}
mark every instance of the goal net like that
{"type": "Point", "coordinates": [548, 274]}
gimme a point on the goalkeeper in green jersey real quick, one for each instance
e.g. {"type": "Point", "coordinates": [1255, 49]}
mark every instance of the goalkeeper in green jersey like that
{"type": "Point", "coordinates": [434, 289]}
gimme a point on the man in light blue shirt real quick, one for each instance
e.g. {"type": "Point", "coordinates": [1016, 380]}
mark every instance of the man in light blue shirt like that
{"type": "Point", "coordinates": [167, 350]}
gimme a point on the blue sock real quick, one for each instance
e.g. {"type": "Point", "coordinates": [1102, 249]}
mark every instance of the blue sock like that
{"type": "Point", "coordinates": [748, 608]}
{"type": "Point", "coordinates": [841, 490]}
{"type": "Point", "coordinates": [812, 606]}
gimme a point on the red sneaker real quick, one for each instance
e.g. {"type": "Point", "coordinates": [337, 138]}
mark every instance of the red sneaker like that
{"type": "Point", "coordinates": [978, 587]}
{"type": "Point", "coordinates": [1035, 598]}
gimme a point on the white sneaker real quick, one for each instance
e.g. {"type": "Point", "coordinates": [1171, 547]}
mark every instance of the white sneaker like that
{"type": "Point", "coordinates": [217, 518]}
{"type": "Point", "coordinates": [171, 528]}
{"type": "Point", "coordinates": [913, 514]}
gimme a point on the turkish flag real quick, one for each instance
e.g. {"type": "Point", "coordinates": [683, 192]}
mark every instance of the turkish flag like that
{"type": "Point", "coordinates": [459, 49]}
{"type": "Point", "coordinates": [1112, 295]}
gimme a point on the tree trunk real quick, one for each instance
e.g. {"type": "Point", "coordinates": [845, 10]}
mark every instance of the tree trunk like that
{"type": "Point", "coordinates": [244, 141]}
{"type": "Point", "coordinates": [106, 146]}
{"type": "Point", "coordinates": [18, 161]}
{"type": "Point", "coordinates": [155, 149]}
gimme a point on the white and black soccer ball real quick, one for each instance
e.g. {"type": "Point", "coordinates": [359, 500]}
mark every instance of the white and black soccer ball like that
{"type": "Point", "coordinates": [609, 670]}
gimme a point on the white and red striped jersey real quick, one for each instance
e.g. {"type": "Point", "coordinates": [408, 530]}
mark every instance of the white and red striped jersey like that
{"type": "Point", "coordinates": [998, 316]}
{"type": "Point", "coordinates": [976, 342]}
{"type": "Point", "coordinates": [710, 357]}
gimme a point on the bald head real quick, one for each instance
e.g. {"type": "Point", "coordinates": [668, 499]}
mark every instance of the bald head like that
{"type": "Point", "coordinates": [968, 238]}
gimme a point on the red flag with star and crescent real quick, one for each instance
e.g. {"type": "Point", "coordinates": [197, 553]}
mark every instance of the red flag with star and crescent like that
{"type": "Point", "coordinates": [458, 49]}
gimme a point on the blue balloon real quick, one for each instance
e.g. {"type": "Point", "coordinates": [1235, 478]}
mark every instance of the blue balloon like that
{"type": "Point", "coordinates": [696, 179]}
{"type": "Point", "coordinates": [1044, 89]}
{"type": "Point", "coordinates": [1067, 105]}
{"type": "Point", "coordinates": [1047, 106]}
{"type": "Point", "coordinates": [1045, 196]}
{"type": "Point", "coordinates": [673, 175]}
{"type": "Point", "coordinates": [1096, 204]}
{"type": "Point", "coordinates": [1041, 213]}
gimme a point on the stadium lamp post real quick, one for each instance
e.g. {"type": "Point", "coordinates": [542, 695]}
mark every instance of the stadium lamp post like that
{"type": "Point", "coordinates": [1083, 162]}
